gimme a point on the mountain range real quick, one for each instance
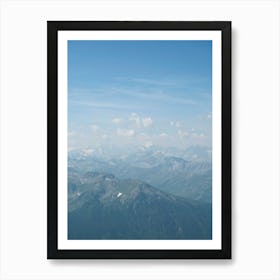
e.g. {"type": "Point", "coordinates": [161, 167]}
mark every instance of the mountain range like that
{"type": "Point", "coordinates": [102, 206]}
{"type": "Point", "coordinates": [187, 174]}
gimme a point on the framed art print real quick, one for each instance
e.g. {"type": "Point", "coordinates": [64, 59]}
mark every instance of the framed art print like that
{"type": "Point", "coordinates": [139, 140]}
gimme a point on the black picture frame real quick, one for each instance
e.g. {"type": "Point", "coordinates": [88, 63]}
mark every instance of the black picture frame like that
{"type": "Point", "coordinates": [53, 27]}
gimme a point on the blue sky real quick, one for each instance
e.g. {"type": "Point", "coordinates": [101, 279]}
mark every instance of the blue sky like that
{"type": "Point", "coordinates": [139, 93]}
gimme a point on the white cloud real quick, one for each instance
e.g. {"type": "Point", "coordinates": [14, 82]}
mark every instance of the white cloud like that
{"type": "Point", "coordinates": [182, 133]}
{"type": "Point", "coordinates": [177, 124]}
{"type": "Point", "coordinates": [125, 132]}
{"type": "Point", "coordinates": [147, 121]}
{"type": "Point", "coordinates": [163, 134]}
{"type": "Point", "coordinates": [117, 120]}
{"type": "Point", "coordinates": [136, 119]}
{"type": "Point", "coordinates": [198, 135]}
{"type": "Point", "coordinates": [95, 127]}
{"type": "Point", "coordinates": [140, 122]}
{"type": "Point", "coordinates": [148, 144]}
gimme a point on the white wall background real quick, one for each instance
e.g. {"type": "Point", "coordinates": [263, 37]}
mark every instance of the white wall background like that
{"type": "Point", "coordinates": [256, 234]}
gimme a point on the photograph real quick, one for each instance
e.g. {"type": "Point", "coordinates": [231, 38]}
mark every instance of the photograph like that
{"type": "Point", "coordinates": [139, 140]}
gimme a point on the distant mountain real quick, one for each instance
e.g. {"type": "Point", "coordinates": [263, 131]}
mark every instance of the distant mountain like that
{"type": "Point", "coordinates": [101, 206]}
{"type": "Point", "coordinates": [175, 175]}
{"type": "Point", "coordinates": [196, 152]}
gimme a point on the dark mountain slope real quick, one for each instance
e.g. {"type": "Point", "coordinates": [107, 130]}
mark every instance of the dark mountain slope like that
{"type": "Point", "coordinates": [101, 206]}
